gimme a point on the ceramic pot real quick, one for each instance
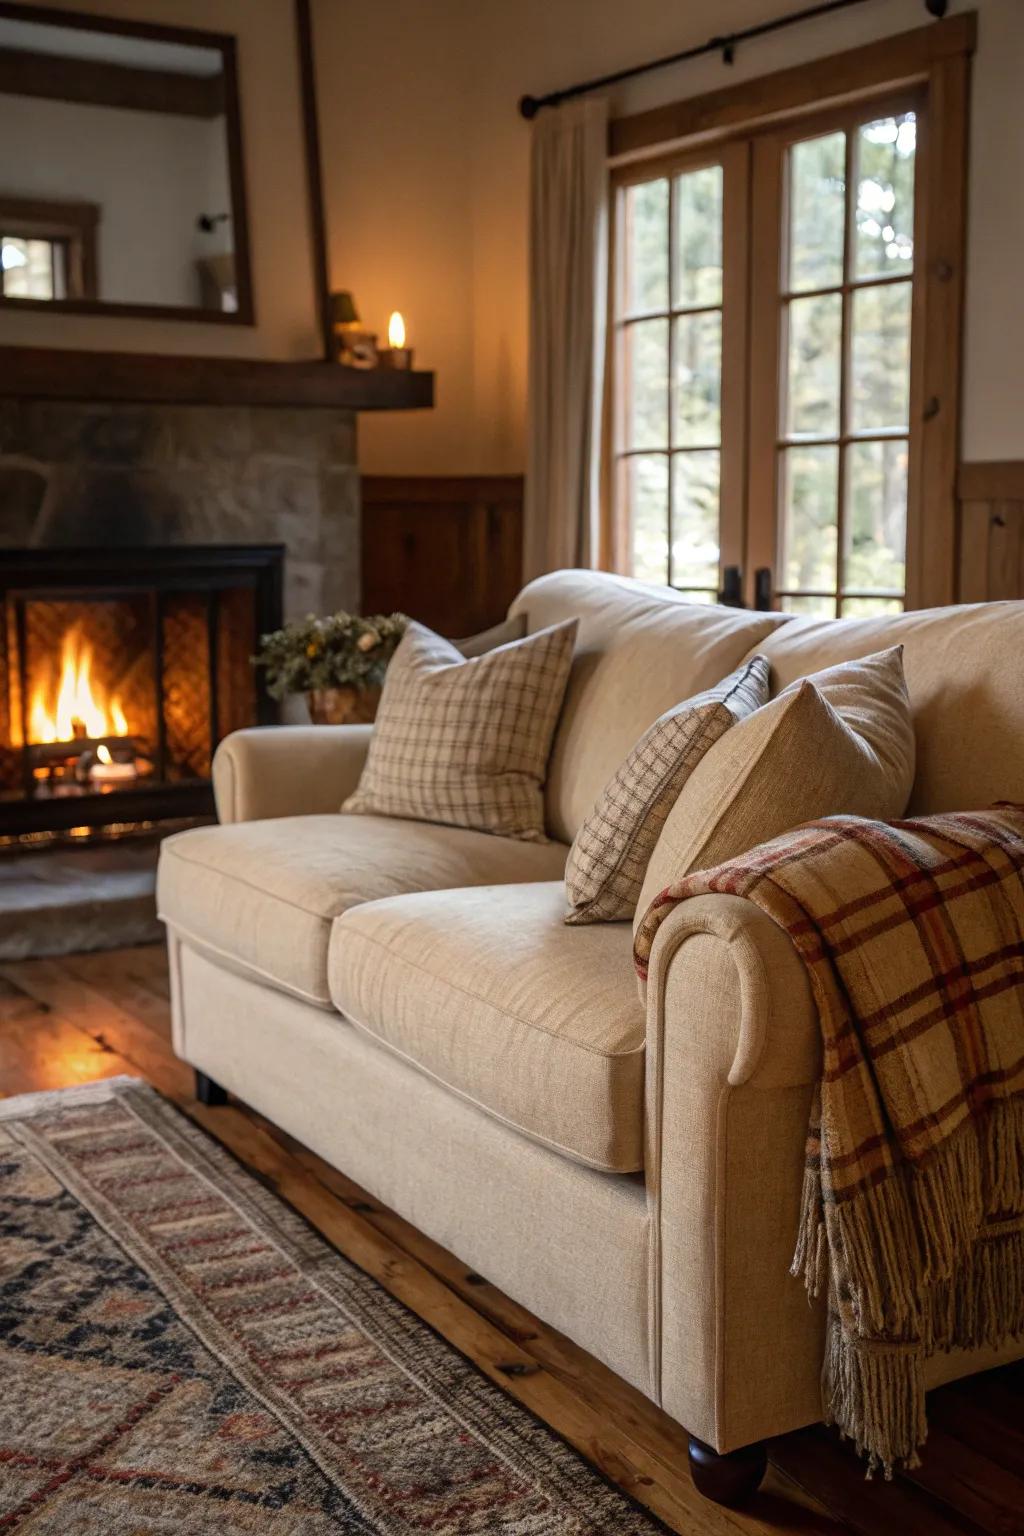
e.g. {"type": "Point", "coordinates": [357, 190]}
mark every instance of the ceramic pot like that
{"type": "Point", "coordinates": [342, 706]}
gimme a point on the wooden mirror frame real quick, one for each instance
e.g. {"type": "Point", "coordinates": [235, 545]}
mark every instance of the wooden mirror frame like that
{"type": "Point", "coordinates": [194, 37]}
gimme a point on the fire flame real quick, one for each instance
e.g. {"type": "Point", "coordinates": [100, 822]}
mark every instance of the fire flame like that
{"type": "Point", "coordinates": [396, 330]}
{"type": "Point", "coordinates": [79, 707]}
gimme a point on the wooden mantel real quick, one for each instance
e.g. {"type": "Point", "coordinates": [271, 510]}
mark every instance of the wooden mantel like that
{"type": "Point", "coordinates": [45, 373]}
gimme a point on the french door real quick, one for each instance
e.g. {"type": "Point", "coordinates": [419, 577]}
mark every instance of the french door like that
{"type": "Point", "coordinates": [679, 339]}
{"type": "Point", "coordinates": [765, 373]}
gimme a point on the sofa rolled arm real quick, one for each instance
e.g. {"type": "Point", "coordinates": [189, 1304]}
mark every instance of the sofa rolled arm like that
{"type": "Point", "coordinates": [287, 770]}
{"type": "Point", "coordinates": [760, 1024]}
{"type": "Point", "coordinates": [733, 1058]}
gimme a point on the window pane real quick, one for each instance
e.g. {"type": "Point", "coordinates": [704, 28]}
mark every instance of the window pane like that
{"type": "Point", "coordinates": [874, 557]}
{"type": "Point", "coordinates": [646, 488]}
{"type": "Point", "coordinates": [645, 381]}
{"type": "Point", "coordinates": [884, 229]}
{"type": "Point", "coordinates": [695, 483]}
{"type": "Point", "coordinates": [646, 277]}
{"type": "Point", "coordinates": [809, 518]}
{"type": "Point", "coordinates": [28, 268]}
{"type": "Point", "coordinates": [697, 386]}
{"type": "Point", "coordinates": [810, 607]}
{"type": "Point", "coordinates": [817, 201]}
{"type": "Point", "coordinates": [880, 358]}
{"type": "Point", "coordinates": [815, 349]}
{"type": "Point", "coordinates": [698, 274]}
{"type": "Point", "coordinates": [869, 607]}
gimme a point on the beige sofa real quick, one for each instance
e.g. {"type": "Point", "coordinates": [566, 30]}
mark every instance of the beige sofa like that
{"type": "Point", "coordinates": [406, 1000]}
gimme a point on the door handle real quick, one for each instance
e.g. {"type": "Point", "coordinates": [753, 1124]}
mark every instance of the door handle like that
{"type": "Point", "coordinates": [731, 595]}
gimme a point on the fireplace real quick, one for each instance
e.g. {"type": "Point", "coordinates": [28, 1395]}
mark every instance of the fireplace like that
{"type": "Point", "coordinates": [120, 671]}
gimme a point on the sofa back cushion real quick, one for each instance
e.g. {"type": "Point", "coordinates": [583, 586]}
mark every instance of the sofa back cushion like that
{"type": "Point", "coordinates": [964, 668]}
{"type": "Point", "coordinates": [838, 743]}
{"type": "Point", "coordinates": [639, 651]}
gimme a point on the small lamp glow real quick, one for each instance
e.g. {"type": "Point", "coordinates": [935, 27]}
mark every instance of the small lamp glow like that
{"type": "Point", "coordinates": [396, 330]}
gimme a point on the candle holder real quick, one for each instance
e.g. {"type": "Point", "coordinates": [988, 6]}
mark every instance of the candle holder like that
{"type": "Point", "coordinates": [395, 357]}
{"type": "Point", "coordinates": [396, 354]}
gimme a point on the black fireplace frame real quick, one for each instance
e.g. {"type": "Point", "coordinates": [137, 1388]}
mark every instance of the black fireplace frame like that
{"type": "Point", "coordinates": [55, 574]}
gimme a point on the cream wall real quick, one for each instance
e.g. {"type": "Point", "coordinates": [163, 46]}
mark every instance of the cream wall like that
{"type": "Point", "coordinates": [427, 166]}
{"type": "Point", "coordinates": [398, 152]}
{"type": "Point", "coordinates": [276, 185]}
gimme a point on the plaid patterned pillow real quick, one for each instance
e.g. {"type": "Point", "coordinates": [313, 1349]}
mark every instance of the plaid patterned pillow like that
{"type": "Point", "coordinates": [466, 743]}
{"type": "Point", "coordinates": [609, 857]}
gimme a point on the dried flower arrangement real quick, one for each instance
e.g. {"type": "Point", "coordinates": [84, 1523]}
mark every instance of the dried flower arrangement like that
{"type": "Point", "coordinates": [338, 662]}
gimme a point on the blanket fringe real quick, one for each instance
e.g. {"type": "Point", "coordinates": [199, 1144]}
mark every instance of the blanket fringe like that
{"type": "Point", "coordinates": [957, 1224]}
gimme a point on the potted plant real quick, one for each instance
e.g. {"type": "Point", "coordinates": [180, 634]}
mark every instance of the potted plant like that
{"type": "Point", "coordinates": [338, 662]}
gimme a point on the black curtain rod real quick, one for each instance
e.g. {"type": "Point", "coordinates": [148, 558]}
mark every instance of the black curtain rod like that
{"type": "Point", "coordinates": [726, 45]}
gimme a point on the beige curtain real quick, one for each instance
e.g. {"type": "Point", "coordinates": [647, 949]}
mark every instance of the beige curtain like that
{"type": "Point", "coordinates": [568, 297]}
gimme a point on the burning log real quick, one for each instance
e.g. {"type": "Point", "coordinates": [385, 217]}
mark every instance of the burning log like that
{"type": "Point", "coordinates": [43, 754]}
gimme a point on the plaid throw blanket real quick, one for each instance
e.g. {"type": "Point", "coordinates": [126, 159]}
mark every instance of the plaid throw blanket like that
{"type": "Point", "coordinates": [913, 1200]}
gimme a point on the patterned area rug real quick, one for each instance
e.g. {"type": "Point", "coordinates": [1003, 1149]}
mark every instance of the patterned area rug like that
{"type": "Point", "coordinates": [180, 1353]}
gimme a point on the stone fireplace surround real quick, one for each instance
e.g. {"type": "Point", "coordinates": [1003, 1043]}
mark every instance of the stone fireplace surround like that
{"type": "Point", "coordinates": [80, 473]}
{"type": "Point", "coordinates": [97, 474]}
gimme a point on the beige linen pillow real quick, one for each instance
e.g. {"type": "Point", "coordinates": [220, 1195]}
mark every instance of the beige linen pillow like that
{"type": "Point", "coordinates": [612, 848]}
{"type": "Point", "coordinates": [838, 743]}
{"type": "Point", "coordinates": [466, 742]}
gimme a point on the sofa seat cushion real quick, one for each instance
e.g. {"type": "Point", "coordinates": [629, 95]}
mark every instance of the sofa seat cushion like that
{"type": "Point", "coordinates": [260, 896]}
{"type": "Point", "coordinates": [490, 993]}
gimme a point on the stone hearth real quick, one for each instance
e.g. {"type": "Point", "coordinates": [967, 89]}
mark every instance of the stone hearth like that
{"type": "Point", "coordinates": [100, 475]}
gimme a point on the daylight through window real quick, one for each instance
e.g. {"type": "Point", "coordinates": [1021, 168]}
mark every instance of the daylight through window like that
{"type": "Point", "coordinates": [669, 337]}
{"type": "Point", "coordinates": [819, 281]}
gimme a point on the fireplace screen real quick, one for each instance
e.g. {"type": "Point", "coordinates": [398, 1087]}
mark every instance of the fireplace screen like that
{"type": "Point", "coordinates": [120, 671]}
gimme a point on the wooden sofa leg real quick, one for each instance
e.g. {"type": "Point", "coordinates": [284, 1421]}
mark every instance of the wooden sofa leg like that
{"type": "Point", "coordinates": [728, 1479]}
{"type": "Point", "coordinates": [208, 1092]}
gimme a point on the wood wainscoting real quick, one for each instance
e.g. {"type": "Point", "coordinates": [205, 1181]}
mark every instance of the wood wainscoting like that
{"type": "Point", "coordinates": [446, 550]}
{"type": "Point", "coordinates": [991, 508]}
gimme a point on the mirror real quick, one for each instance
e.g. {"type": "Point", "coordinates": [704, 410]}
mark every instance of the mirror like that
{"type": "Point", "coordinates": [121, 185]}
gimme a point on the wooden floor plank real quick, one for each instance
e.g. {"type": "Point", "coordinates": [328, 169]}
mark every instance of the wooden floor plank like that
{"type": "Point", "coordinates": [91, 1016]}
{"type": "Point", "coordinates": [971, 1480]}
{"type": "Point", "coordinates": [39, 1050]}
{"type": "Point", "coordinates": [983, 1416]}
{"type": "Point", "coordinates": [818, 1460]}
{"type": "Point", "coordinates": [135, 991]}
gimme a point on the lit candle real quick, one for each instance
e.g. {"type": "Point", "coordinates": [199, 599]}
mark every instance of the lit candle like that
{"type": "Point", "coordinates": [396, 354]}
{"type": "Point", "coordinates": [106, 771]}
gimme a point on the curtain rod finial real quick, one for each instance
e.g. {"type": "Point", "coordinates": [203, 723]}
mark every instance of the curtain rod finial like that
{"type": "Point", "coordinates": [529, 106]}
